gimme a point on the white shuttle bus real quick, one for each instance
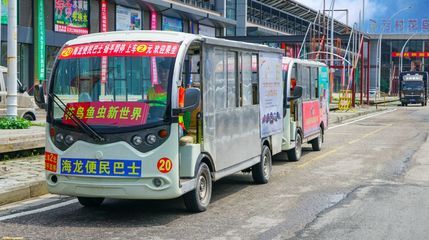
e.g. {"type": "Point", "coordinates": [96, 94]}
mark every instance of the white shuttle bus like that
{"type": "Point", "coordinates": [158, 115]}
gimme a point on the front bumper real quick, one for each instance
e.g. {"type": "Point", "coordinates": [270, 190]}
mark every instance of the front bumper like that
{"type": "Point", "coordinates": [412, 99]}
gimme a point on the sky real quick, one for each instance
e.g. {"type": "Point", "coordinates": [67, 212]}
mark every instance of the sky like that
{"type": "Point", "coordinates": [379, 11]}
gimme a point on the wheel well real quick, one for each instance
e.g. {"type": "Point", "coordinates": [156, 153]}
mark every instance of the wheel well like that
{"type": "Point", "coordinates": [322, 126]}
{"type": "Point", "coordinates": [207, 159]}
{"type": "Point", "coordinates": [300, 132]}
{"type": "Point", "coordinates": [31, 114]}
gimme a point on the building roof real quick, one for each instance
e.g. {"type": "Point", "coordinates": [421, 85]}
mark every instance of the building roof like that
{"type": "Point", "coordinates": [306, 13]}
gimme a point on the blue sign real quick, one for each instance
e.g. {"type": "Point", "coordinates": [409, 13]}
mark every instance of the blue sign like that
{"type": "Point", "coordinates": [94, 167]}
{"type": "Point", "coordinates": [172, 24]}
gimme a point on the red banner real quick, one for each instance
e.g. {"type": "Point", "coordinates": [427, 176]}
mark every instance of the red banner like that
{"type": "Point", "coordinates": [411, 54]}
{"type": "Point", "coordinates": [310, 117]}
{"type": "Point", "coordinates": [108, 113]}
{"type": "Point", "coordinates": [123, 49]}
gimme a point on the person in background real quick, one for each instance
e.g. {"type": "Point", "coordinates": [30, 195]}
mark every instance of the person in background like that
{"type": "Point", "coordinates": [415, 66]}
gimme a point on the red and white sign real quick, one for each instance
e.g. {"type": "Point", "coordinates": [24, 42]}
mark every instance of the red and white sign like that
{"type": "Point", "coordinates": [107, 113]}
{"type": "Point", "coordinates": [123, 49]}
{"type": "Point", "coordinates": [103, 18]}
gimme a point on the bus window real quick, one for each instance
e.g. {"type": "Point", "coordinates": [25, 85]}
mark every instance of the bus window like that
{"type": "Point", "coordinates": [255, 79]}
{"type": "Point", "coordinates": [246, 70]}
{"type": "Point", "coordinates": [305, 82]}
{"type": "Point", "coordinates": [232, 79]}
{"type": "Point", "coordinates": [220, 79]}
{"type": "Point", "coordinates": [314, 83]}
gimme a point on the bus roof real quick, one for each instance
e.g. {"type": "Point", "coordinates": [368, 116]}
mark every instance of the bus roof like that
{"type": "Point", "coordinates": [289, 60]}
{"type": "Point", "coordinates": [165, 36]}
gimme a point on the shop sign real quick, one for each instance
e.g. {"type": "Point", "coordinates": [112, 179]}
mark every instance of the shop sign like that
{"type": "Point", "coordinates": [172, 24]}
{"type": "Point", "coordinates": [107, 113]}
{"type": "Point", "coordinates": [41, 39]}
{"type": "Point", "coordinates": [104, 17]}
{"type": "Point", "coordinates": [411, 54]}
{"type": "Point", "coordinates": [123, 49]}
{"type": "Point", "coordinates": [71, 16]}
{"type": "Point", "coordinates": [128, 19]}
{"type": "Point", "coordinates": [4, 11]}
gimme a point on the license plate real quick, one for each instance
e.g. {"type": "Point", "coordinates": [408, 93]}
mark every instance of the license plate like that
{"type": "Point", "coordinates": [94, 167]}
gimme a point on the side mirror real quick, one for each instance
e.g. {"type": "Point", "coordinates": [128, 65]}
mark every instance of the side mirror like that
{"type": "Point", "coordinates": [39, 96]}
{"type": "Point", "coordinates": [297, 93]}
{"type": "Point", "coordinates": [192, 101]}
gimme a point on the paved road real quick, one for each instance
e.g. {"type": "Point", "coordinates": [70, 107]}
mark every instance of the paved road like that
{"type": "Point", "coordinates": [369, 182]}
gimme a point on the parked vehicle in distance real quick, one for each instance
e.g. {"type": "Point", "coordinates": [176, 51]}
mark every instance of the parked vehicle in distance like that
{"type": "Point", "coordinates": [26, 106]}
{"type": "Point", "coordinates": [413, 88]}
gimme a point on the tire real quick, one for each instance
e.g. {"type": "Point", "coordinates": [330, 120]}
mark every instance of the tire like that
{"type": "Point", "coordinates": [198, 199]}
{"type": "Point", "coordinates": [317, 142]}
{"type": "Point", "coordinates": [402, 104]}
{"type": "Point", "coordinates": [90, 202]}
{"type": "Point", "coordinates": [29, 117]}
{"type": "Point", "coordinates": [423, 104]}
{"type": "Point", "coordinates": [261, 172]}
{"type": "Point", "coordinates": [294, 154]}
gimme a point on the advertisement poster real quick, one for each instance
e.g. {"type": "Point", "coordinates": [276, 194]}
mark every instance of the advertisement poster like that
{"type": "Point", "coordinates": [271, 94]}
{"type": "Point", "coordinates": [71, 16]}
{"type": "Point", "coordinates": [128, 19]}
{"type": "Point", "coordinates": [310, 117]}
{"type": "Point", "coordinates": [4, 12]}
{"type": "Point", "coordinates": [172, 24]}
{"type": "Point", "coordinates": [324, 94]}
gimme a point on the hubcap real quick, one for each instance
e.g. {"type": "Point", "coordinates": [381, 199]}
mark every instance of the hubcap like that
{"type": "Point", "coordinates": [266, 166]}
{"type": "Point", "coordinates": [202, 187]}
{"type": "Point", "coordinates": [298, 147]}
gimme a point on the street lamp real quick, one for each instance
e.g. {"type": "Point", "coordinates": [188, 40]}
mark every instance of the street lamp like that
{"type": "Point", "coordinates": [379, 47]}
{"type": "Point", "coordinates": [402, 50]}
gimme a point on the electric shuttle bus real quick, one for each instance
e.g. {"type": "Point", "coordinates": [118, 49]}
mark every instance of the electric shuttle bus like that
{"type": "Point", "coordinates": [305, 115]}
{"type": "Point", "coordinates": [158, 115]}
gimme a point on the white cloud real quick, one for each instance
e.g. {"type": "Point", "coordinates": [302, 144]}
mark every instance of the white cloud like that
{"type": "Point", "coordinates": [372, 8]}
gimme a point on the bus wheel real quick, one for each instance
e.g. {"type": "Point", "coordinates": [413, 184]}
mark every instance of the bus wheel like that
{"type": "Point", "coordinates": [402, 104]}
{"type": "Point", "coordinates": [294, 154]}
{"type": "Point", "coordinates": [261, 172]}
{"type": "Point", "coordinates": [198, 199]}
{"type": "Point", "coordinates": [90, 202]}
{"type": "Point", "coordinates": [317, 142]}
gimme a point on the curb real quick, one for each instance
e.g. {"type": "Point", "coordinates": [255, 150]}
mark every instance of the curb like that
{"type": "Point", "coordinates": [27, 191]}
{"type": "Point", "coordinates": [340, 119]}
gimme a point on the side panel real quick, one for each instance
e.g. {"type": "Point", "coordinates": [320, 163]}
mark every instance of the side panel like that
{"type": "Point", "coordinates": [231, 135]}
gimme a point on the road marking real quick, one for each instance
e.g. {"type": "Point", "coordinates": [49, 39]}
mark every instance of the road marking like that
{"type": "Point", "coordinates": [360, 119]}
{"type": "Point", "coordinates": [319, 157]}
{"type": "Point", "coordinates": [351, 142]}
{"type": "Point", "coordinates": [369, 134]}
{"type": "Point", "coordinates": [44, 209]}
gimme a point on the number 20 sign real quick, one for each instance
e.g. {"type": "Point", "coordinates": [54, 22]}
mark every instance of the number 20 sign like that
{"type": "Point", "coordinates": [164, 165]}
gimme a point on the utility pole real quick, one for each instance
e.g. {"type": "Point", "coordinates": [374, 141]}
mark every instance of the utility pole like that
{"type": "Point", "coordinates": [12, 64]}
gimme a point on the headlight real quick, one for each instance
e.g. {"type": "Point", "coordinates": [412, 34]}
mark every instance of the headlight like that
{"type": "Point", "coordinates": [150, 139]}
{"type": "Point", "coordinates": [137, 140]}
{"type": "Point", "coordinates": [69, 139]}
{"type": "Point", "coordinates": [59, 137]}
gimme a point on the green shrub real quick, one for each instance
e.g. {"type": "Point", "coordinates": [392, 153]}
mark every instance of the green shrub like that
{"type": "Point", "coordinates": [10, 123]}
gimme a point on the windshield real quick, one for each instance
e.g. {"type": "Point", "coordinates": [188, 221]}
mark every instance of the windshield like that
{"type": "Point", "coordinates": [409, 85]}
{"type": "Point", "coordinates": [114, 84]}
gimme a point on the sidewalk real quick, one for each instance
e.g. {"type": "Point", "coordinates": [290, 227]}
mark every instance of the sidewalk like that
{"type": "Point", "coordinates": [337, 116]}
{"type": "Point", "coordinates": [22, 179]}
{"type": "Point", "coordinates": [25, 177]}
